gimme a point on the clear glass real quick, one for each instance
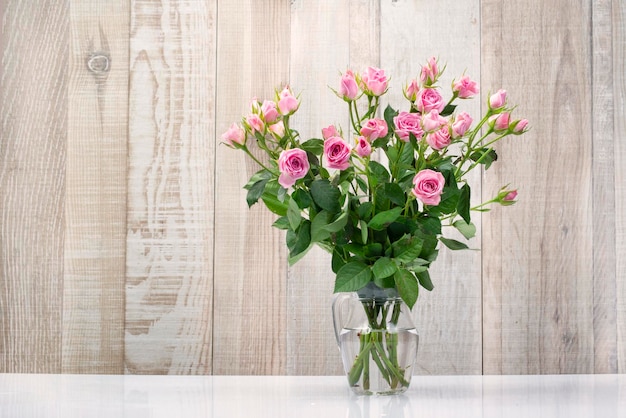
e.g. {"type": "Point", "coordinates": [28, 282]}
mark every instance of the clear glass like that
{"type": "Point", "coordinates": [377, 340]}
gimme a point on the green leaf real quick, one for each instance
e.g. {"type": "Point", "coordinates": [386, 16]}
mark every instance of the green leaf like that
{"type": "Point", "coordinates": [374, 249]}
{"type": "Point", "coordinates": [417, 266]}
{"type": "Point", "coordinates": [385, 282]}
{"type": "Point", "coordinates": [272, 200]}
{"type": "Point", "coordinates": [318, 227]}
{"type": "Point", "coordinates": [281, 223]}
{"type": "Point", "coordinates": [463, 205]}
{"type": "Point", "coordinates": [467, 229]}
{"type": "Point", "coordinates": [339, 223]}
{"type": "Point", "coordinates": [453, 244]}
{"type": "Point", "coordinates": [407, 286]}
{"type": "Point", "coordinates": [384, 267]}
{"type": "Point", "coordinates": [255, 190]}
{"type": "Point", "coordinates": [352, 277]}
{"type": "Point", "coordinates": [407, 156]}
{"type": "Point", "coordinates": [364, 231]}
{"type": "Point", "coordinates": [407, 249]}
{"type": "Point", "coordinates": [381, 220]}
{"type": "Point", "coordinates": [389, 114]}
{"type": "Point", "coordinates": [448, 110]}
{"type": "Point", "coordinates": [430, 224]}
{"type": "Point", "coordinates": [424, 279]}
{"type": "Point", "coordinates": [326, 196]}
{"type": "Point", "coordinates": [299, 240]}
{"type": "Point", "coordinates": [293, 214]}
{"type": "Point", "coordinates": [313, 145]}
{"type": "Point", "coordinates": [337, 261]}
{"type": "Point", "coordinates": [394, 193]}
{"type": "Point", "coordinates": [379, 173]}
{"type": "Point", "coordinates": [484, 156]}
{"type": "Point", "coordinates": [364, 210]}
{"type": "Point", "coordinates": [302, 197]}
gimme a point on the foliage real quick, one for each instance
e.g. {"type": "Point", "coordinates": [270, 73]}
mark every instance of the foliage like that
{"type": "Point", "coordinates": [378, 202]}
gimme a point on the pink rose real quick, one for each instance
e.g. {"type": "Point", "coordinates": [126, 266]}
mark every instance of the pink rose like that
{"type": "Point", "coordinates": [410, 92]}
{"type": "Point", "coordinates": [430, 72]}
{"type": "Point", "coordinates": [255, 123]}
{"type": "Point", "coordinates": [500, 122]}
{"type": "Point", "coordinates": [496, 101]}
{"type": "Point", "coordinates": [432, 121]}
{"type": "Point", "coordinates": [510, 196]}
{"type": "Point", "coordinates": [277, 129]}
{"type": "Point", "coordinates": [428, 186]}
{"type": "Point", "coordinates": [337, 153]}
{"type": "Point", "coordinates": [408, 123]}
{"type": "Point", "coordinates": [348, 88]}
{"type": "Point", "coordinates": [429, 99]}
{"type": "Point", "coordinates": [374, 129]}
{"type": "Point", "coordinates": [287, 102]}
{"type": "Point", "coordinates": [375, 81]}
{"type": "Point", "coordinates": [329, 132]}
{"type": "Point", "coordinates": [293, 165]}
{"type": "Point", "coordinates": [461, 124]}
{"type": "Point", "coordinates": [439, 139]}
{"type": "Point", "coordinates": [363, 147]}
{"type": "Point", "coordinates": [465, 87]}
{"type": "Point", "coordinates": [520, 127]}
{"type": "Point", "coordinates": [268, 109]}
{"type": "Point", "coordinates": [235, 135]}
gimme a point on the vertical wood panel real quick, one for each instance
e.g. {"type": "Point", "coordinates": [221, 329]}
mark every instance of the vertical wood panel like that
{"type": "Point", "coordinates": [250, 256]}
{"type": "Point", "coordinates": [170, 187]}
{"type": "Point", "coordinates": [95, 239]}
{"type": "Point", "coordinates": [33, 112]}
{"type": "Point", "coordinates": [544, 268]}
{"type": "Point", "coordinates": [449, 317]}
{"type": "Point", "coordinates": [618, 18]}
{"type": "Point", "coordinates": [319, 53]}
{"type": "Point", "coordinates": [603, 174]}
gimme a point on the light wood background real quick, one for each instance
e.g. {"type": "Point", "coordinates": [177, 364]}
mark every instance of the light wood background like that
{"type": "Point", "coordinates": [126, 245]}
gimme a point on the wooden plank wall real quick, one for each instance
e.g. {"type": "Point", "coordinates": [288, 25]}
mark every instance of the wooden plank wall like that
{"type": "Point", "coordinates": [126, 245]}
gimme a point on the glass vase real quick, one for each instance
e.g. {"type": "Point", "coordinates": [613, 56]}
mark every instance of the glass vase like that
{"type": "Point", "coordinates": [377, 340]}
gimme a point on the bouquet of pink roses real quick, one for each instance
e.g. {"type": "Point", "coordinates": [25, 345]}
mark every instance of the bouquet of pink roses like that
{"type": "Point", "coordinates": [376, 196]}
{"type": "Point", "coordinates": [381, 222]}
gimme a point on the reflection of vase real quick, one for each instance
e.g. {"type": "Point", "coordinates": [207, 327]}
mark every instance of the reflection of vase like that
{"type": "Point", "coordinates": [377, 340]}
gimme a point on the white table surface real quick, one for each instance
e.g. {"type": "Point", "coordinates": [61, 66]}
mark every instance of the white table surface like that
{"type": "Point", "coordinates": [37, 395]}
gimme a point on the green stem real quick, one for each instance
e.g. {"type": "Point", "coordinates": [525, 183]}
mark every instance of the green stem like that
{"type": "Point", "coordinates": [382, 351]}
{"type": "Point", "coordinates": [247, 151]}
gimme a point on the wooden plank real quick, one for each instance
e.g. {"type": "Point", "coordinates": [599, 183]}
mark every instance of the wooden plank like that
{"type": "Point", "coordinates": [250, 256]}
{"type": "Point", "coordinates": [618, 18]}
{"type": "Point", "coordinates": [543, 270]}
{"type": "Point", "coordinates": [170, 187]}
{"type": "Point", "coordinates": [491, 78]}
{"type": "Point", "coordinates": [604, 216]}
{"type": "Point", "coordinates": [320, 51]}
{"type": "Point", "coordinates": [449, 317]}
{"type": "Point", "coordinates": [33, 112]}
{"type": "Point", "coordinates": [95, 209]}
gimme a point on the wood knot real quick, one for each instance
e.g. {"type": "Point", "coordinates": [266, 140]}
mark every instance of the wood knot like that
{"type": "Point", "coordinates": [99, 63]}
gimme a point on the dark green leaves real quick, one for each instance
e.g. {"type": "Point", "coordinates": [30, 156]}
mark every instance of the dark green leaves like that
{"type": "Point", "coordinates": [383, 219]}
{"type": "Point", "coordinates": [326, 196]}
{"type": "Point", "coordinates": [352, 277]}
{"type": "Point", "coordinates": [463, 205]}
{"type": "Point", "coordinates": [484, 156]}
{"type": "Point", "coordinates": [299, 240]}
{"type": "Point", "coordinates": [453, 244]}
{"type": "Point", "coordinates": [407, 286]}
{"type": "Point", "coordinates": [256, 186]}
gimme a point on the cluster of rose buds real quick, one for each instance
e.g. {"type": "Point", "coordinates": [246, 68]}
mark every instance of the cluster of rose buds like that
{"type": "Point", "coordinates": [264, 118]}
{"type": "Point", "coordinates": [429, 120]}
